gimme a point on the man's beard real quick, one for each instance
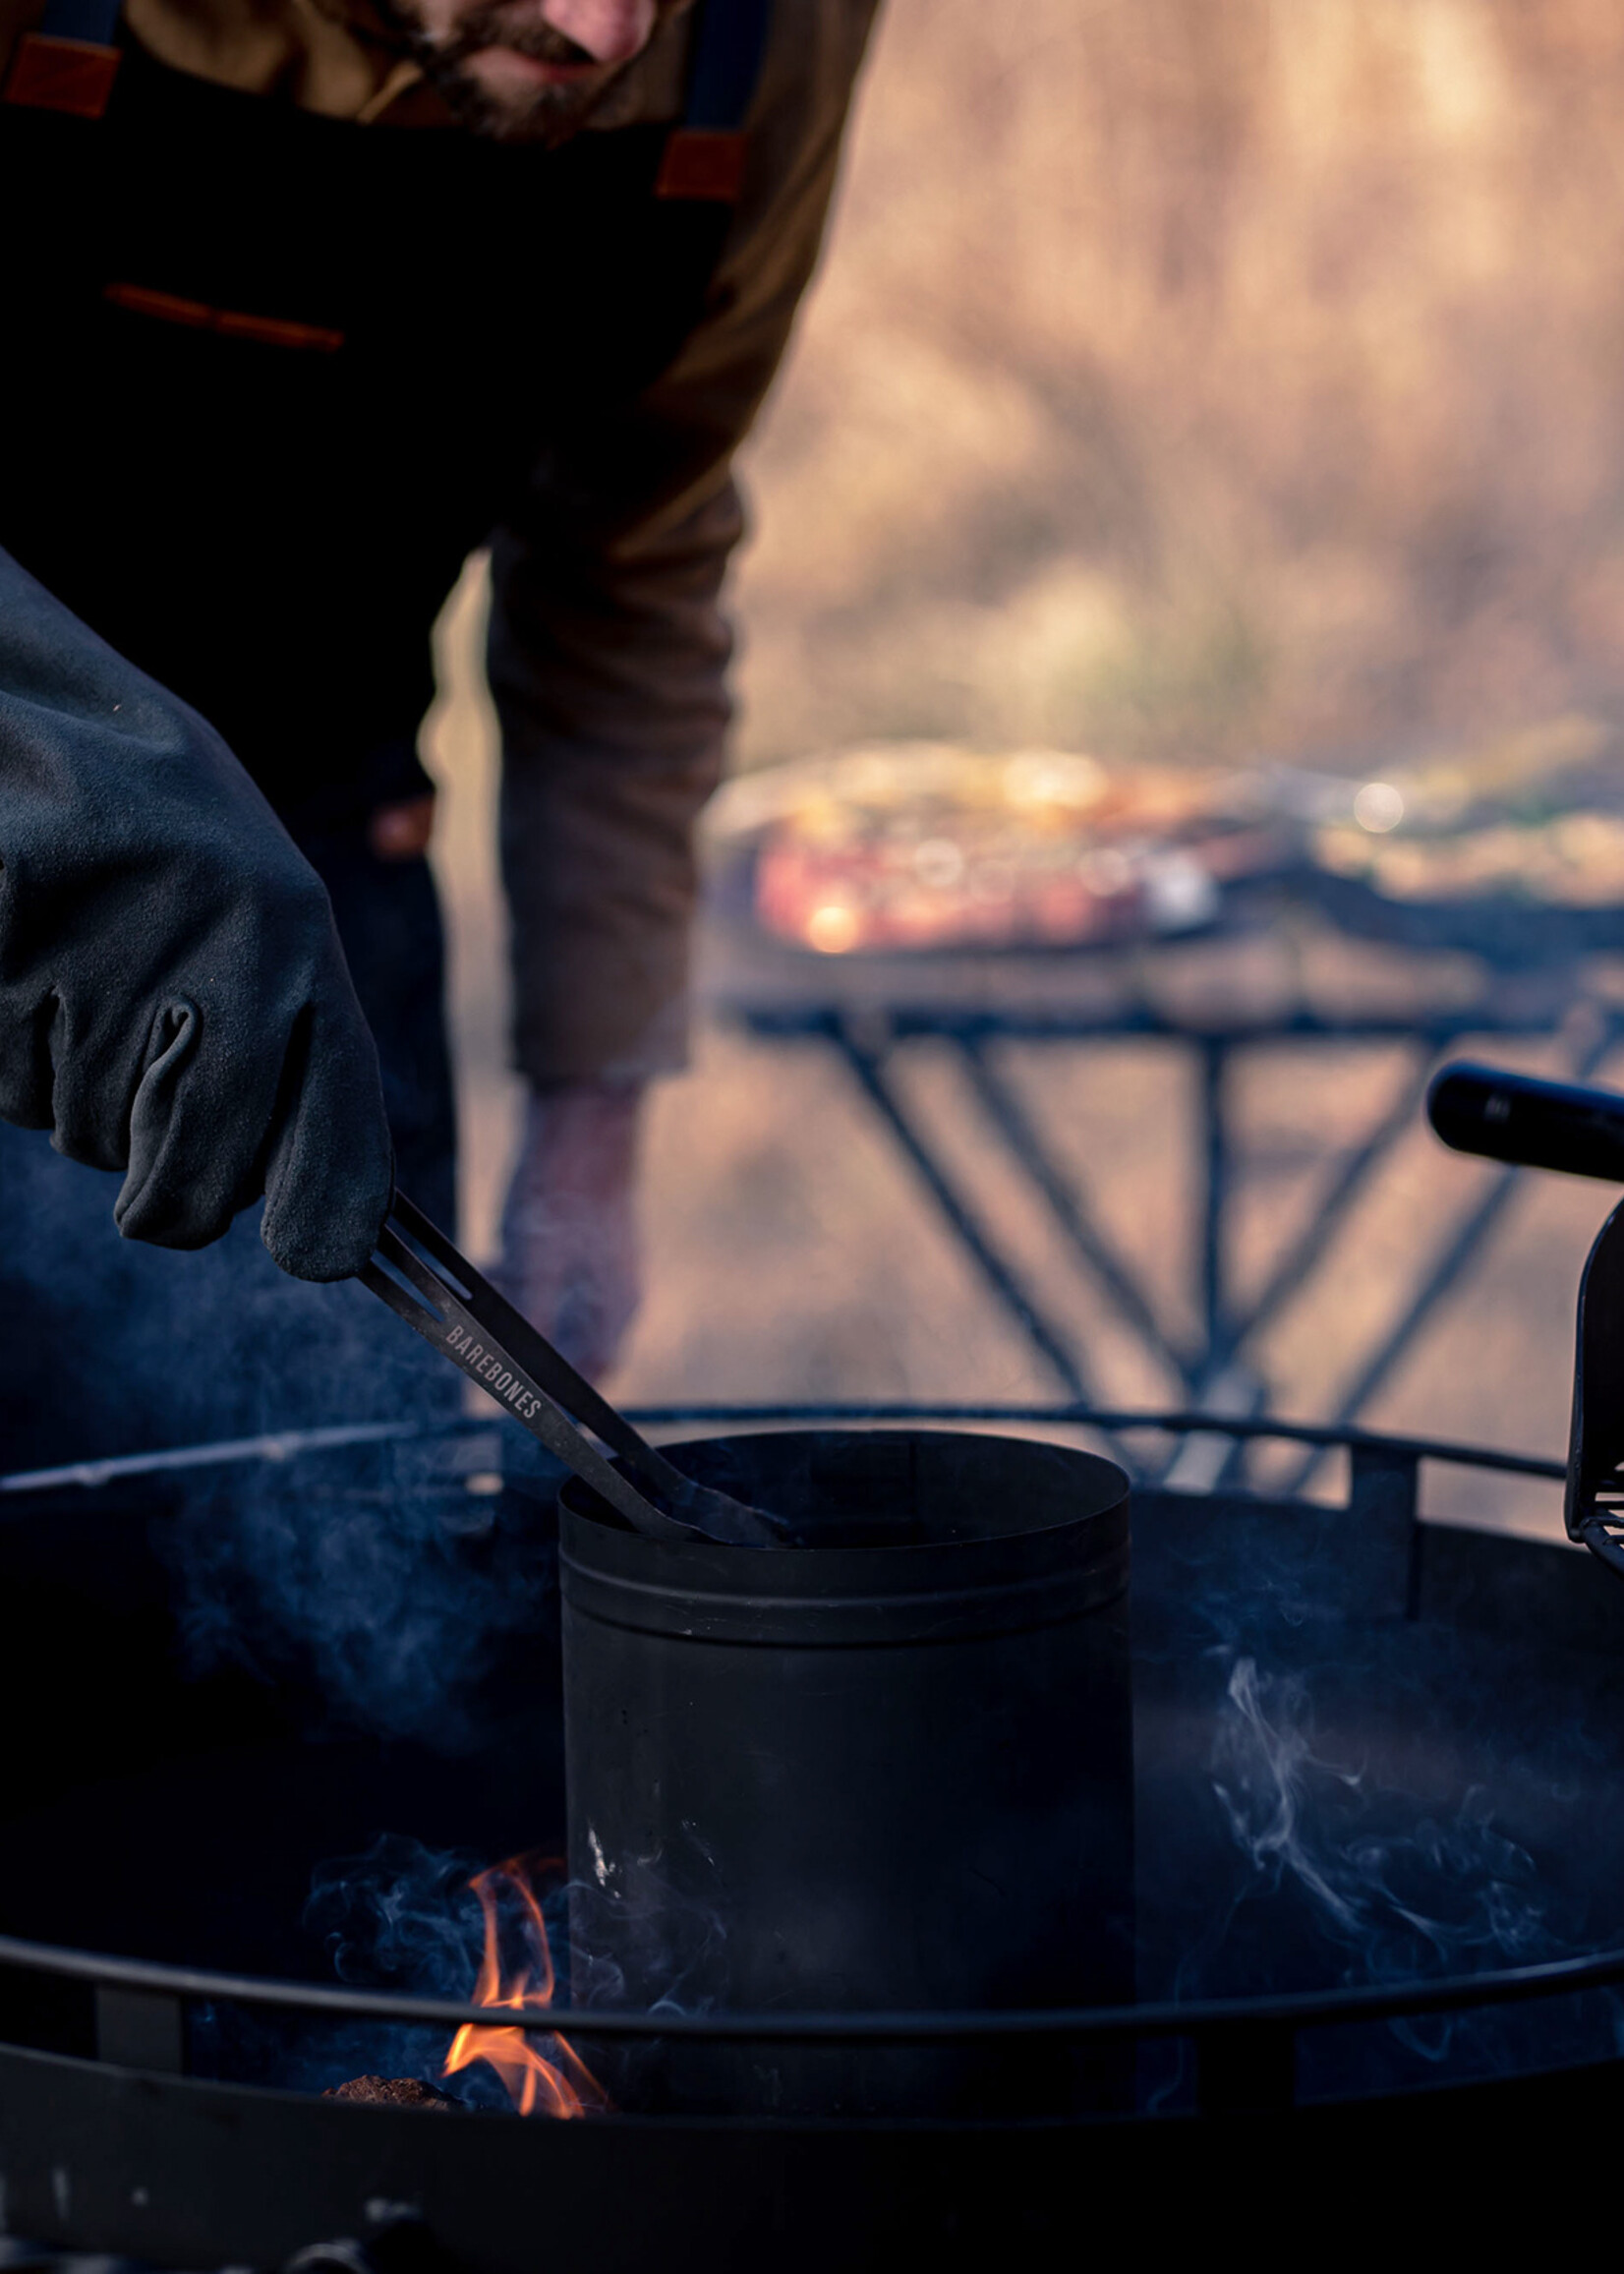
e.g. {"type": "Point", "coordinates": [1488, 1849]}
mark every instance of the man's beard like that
{"type": "Point", "coordinates": [550, 114]}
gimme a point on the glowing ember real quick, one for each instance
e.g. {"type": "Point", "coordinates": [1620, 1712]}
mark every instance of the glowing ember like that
{"type": "Point", "coordinates": [544, 2076]}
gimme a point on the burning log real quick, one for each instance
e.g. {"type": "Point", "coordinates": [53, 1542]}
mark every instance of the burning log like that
{"type": "Point", "coordinates": [393, 2092]}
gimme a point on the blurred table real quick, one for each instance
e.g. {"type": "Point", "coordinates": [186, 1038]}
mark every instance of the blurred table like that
{"type": "Point", "coordinates": [1280, 972]}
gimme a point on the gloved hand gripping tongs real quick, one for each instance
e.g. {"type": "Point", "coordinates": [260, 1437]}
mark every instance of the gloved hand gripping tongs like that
{"type": "Point", "coordinates": [1555, 1125]}
{"type": "Point", "coordinates": [425, 1281]}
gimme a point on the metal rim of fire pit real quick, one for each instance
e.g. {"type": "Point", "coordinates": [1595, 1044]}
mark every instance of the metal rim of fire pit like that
{"type": "Point", "coordinates": [1206, 2018]}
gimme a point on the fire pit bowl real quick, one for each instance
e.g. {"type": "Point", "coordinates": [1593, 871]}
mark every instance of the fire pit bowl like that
{"type": "Point", "coordinates": [890, 1768]}
{"type": "Point", "coordinates": [1378, 1852]}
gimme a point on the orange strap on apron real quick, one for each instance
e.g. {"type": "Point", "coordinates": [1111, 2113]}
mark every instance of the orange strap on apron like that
{"type": "Point", "coordinates": [705, 155]}
{"type": "Point", "coordinates": [68, 64]}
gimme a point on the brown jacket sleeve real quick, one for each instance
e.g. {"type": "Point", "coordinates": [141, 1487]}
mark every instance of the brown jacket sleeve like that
{"type": "Point", "coordinates": [609, 649]}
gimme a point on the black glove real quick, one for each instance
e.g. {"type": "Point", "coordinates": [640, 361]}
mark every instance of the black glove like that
{"type": "Point", "coordinates": [173, 998]}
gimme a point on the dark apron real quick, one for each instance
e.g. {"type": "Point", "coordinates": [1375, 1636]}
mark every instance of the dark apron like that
{"type": "Point", "coordinates": [265, 379]}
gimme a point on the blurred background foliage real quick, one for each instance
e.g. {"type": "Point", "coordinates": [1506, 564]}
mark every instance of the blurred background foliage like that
{"type": "Point", "coordinates": [1194, 376]}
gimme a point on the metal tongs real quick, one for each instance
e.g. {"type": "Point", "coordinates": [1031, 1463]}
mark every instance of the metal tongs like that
{"type": "Point", "coordinates": [425, 1281]}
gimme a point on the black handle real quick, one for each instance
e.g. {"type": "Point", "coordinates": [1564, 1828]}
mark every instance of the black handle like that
{"type": "Point", "coordinates": [1534, 1125]}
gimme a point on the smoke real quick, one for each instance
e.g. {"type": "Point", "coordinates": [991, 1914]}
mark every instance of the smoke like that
{"type": "Point", "coordinates": [383, 1583]}
{"type": "Point", "coordinates": [405, 1917]}
{"type": "Point", "coordinates": [638, 1940]}
{"type": "Point", "coordinates": [408, 1917]}
{"type": "Point", "coordinates": [1441, 1895]}
{"type": "Point", "coordinates": [1341, 1874]}
{"type": "Point", "coordinates": [401, 1916]}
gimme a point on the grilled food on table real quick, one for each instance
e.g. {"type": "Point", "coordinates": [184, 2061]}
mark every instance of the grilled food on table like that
{"type": "Point", "coordinates": [927, 845]}
{"type": "Point", "coordinates": [1538, 818]}
{"type": "Point", "coordinates": [1572, 860]}
{"type": "Point", "coordinates": [919, 845]}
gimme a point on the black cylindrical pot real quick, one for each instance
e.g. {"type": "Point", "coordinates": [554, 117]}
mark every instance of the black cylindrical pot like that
{"type": "Point", "coordinates": [887, 1769]}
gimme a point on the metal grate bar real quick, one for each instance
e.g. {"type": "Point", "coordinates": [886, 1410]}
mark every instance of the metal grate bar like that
{"type": "Point", "coordinates": [869, 1068]}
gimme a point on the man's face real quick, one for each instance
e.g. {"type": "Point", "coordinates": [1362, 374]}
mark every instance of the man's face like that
{"type": "Point", "coordinates": [527, 70]}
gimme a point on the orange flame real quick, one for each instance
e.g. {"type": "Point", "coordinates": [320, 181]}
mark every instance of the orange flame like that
{"type": "Point", "coordinates": [543, 2076]}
